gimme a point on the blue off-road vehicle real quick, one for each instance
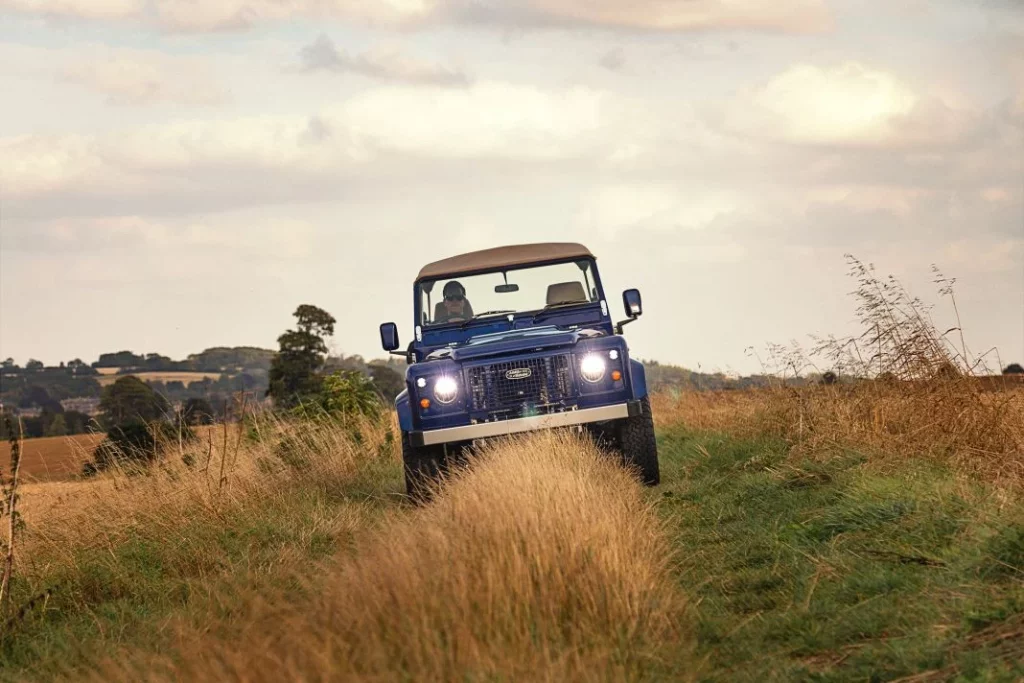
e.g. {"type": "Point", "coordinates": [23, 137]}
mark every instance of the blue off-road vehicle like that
{"type": "Point", "coordinates": [516, 339]}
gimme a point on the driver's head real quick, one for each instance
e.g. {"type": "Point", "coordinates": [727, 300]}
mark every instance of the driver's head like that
{"type": "Point", "coordinates": [454, 295]}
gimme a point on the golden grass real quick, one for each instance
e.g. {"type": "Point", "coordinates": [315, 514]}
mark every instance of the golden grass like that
{"type": "Point", "coordinates": [229, 474]}
{"type": "Point", "coordinates": [541, 563]}
{"type": "Point", "coordinates": [956, 420]}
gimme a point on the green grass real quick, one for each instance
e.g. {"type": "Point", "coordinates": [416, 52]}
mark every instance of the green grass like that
{"type": "Point", "coordinates": [129, 595]}
{"type": "Point", "coordinates": [836, 572]}
{"type": "Point", "coordinates": [816, 571]}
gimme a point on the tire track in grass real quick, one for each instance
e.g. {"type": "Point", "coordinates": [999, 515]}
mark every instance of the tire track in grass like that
{"type": "Point", "coordinates": [540, 562]}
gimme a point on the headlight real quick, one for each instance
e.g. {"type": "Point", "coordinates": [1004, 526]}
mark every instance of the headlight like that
{"type": "Point", "coordinates": [592, 368]}
{"type": "Point", "coordinates": [445, 390]}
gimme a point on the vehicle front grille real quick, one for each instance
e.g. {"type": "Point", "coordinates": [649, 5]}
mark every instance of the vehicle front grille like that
{"type": "Point", "coordinates": [513, 386]}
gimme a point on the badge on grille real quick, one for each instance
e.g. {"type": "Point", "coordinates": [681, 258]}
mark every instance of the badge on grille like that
{"type": "Point", "coordinates": [518, 373]}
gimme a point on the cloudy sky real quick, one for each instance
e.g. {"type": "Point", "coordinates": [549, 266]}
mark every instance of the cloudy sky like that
{"type": "Point", "coordinates": [177, 174]}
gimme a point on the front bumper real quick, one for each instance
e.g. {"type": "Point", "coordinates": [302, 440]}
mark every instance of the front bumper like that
{"type": "Point", "coordinates": [484, 430]}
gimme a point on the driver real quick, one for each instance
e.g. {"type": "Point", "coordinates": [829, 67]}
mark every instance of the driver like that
{"type": "Point", "coordinates": [455, 307]}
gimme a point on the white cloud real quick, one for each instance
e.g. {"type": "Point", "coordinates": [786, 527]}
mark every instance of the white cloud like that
{"type": "Point", "coordinates": [270, 238]}
{"type": "Point", "coordinates": [85, 9]}
{"type": "Point", "coordinates": [160, 162]}
{"type": "Point", "coordinates": [218, 15]}
{"type": "Point", "coordinates": [374, 135]}
{"type": "Point", "coordinates": [138, 77]}
{"type": "Point", "coordinates": [489, 120]}
{"type": "Point", "coordinates": [647, 15]}
{"type": "Point", "coordinates": [385, 63]}
{"type": "Point", "coordinates": [210, 15]}
{"type": "Point", "coordinates": [848, 104]}
{"type": "Point", "coordinates": [622, 208]}
{"type": "Point", "coordinates": [676, 15]}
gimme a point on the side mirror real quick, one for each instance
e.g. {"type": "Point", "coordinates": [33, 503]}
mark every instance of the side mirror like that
{"type": "Point", "coordinates": [389, 336]}
{"type": "Point", "coordinates": [631, 301]}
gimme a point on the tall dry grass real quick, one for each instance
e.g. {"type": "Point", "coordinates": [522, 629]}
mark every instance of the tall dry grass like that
{"type": "Point", "coordinates": [225, 474]}
{"type": "Point", "coordinates": [542, 562]}
{"type": "Point", "coordinates": [981, 432]}
{"type": "Point", "coordinates": [899, 387]}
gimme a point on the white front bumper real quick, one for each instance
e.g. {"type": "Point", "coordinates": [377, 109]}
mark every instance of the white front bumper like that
{"type": "Point", "coordinates": [484, 430]}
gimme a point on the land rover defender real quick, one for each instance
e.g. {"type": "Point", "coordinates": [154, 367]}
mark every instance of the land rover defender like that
{"type": "Point", "coordinates": [516, 339]}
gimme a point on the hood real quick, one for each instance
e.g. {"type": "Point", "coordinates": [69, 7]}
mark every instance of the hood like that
{"type": "Point", "coordinates": [512, 341]}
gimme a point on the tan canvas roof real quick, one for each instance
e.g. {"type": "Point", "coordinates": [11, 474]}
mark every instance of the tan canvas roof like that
{"type": "Point", "coordinates": [498, 257]}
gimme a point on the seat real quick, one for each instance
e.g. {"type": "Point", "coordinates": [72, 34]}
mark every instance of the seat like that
{"type": "Point", "coordinates": [567, 293]}
{"type": "Point", "coordinates": [441, 312]}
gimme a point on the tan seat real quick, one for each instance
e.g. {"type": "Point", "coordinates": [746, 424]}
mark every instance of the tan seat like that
{"type": "Point", "coordinates": [566, 292]}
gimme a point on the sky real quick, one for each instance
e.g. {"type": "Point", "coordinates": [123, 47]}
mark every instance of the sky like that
{"type": "Point", "coordinates": [180, 174]}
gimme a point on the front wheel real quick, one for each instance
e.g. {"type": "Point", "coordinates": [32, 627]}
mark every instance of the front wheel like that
{"type": "Point", "coordinates": [423, 468]}
{"type": "Point", "coordinates": [638, 444]}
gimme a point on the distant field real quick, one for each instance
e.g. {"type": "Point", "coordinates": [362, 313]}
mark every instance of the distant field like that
{"type": "Point", "coordinates": [58, 458]}
{"type": "Point", "coordinates": [52, 458]}
{"type": "Point", "coordinates": [184, 377]}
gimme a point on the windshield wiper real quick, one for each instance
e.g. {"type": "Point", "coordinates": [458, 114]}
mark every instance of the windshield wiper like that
{"type": "Point", "coordinates": [480, 315]}
{"type": "Point", "coordinates": [547, 310]}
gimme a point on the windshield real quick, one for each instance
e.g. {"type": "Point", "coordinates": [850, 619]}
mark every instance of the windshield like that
{"type": "Point", "coordinates": [458, 299]}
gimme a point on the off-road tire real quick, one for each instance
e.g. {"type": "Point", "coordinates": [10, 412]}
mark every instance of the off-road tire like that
{"type": "Point", "coordinates": [423, 466]}
{"type": "Point", "coordinates": [639, 447]}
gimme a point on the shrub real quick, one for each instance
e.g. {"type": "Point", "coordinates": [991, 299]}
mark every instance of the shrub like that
{"type": "Point", "coordinates": [345, 393]}
{"type": "Point", "coordinates": [137, 443]}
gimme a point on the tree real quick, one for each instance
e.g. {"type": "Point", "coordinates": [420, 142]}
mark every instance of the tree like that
{"type": "Point", "coordinates": [57, 427]}
{"type": "Point", "coordinates": [34, 365]}
{"type": "Point", "coordinates": [80, 367]}
{"type": "Point", "coordinates": [154, 361]}
{"type": "Point", "coordinates": [345, 393]}
{"type": "Point", "coordinates": [135, 418]}
{"type": "Point", "coordinates": [129, 400]}
{"type": "Point", "coordinates": [120, 359]}
{"type": "Point", "coordinates": [135, 443]}
{"type": "Point", "coordinates": [36, 395]}
{"type": "Point", "coordinates": [197, 411]}
{"type": "Point", "coordinates": [76, 422]}
{"type": "Point", "coordinates": [389, 383]}
{"type": "Point", "coordinates": [221, 358]}
{"type": "Point", "coordinates": [294, 370]}
{"type": "Point", "coordinates": [1013, 369]}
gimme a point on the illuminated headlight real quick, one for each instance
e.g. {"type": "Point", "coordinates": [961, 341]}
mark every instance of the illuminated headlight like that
{"type": "Point", "coordinates": [421, 382]}
{"type": "Point", "coordinates": [613, 354]}
{"type": "Point", "coordinates": [592, 368]}
{"type": "Point", "coordinates": [445, 390]}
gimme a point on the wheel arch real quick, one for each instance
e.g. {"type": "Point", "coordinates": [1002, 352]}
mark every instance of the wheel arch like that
{"type": "Point", "coordinates": [638, 379]}
{"type": "Point", "coordinates": [404, 410]}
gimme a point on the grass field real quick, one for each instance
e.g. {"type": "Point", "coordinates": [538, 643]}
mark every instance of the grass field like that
{"type": "Point", "coordinates": [60, 458]}
{"type": "Point", "coordinates": [760, 557]}
{"type": "Point", "coordinates": [52, 458]}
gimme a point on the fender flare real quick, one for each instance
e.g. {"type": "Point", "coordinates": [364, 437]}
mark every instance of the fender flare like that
{"type": "Point", "coordinates": [638, 378]}
{"type": "Point", "coordinates": [404, 410]}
